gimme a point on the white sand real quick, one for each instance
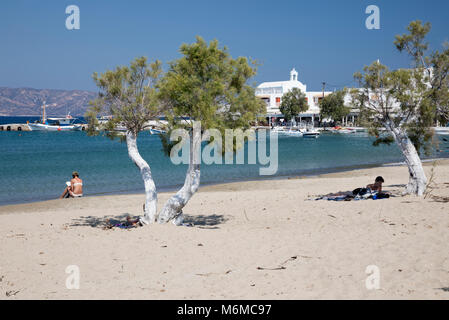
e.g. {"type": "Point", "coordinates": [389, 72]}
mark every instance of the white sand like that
{"type": "Point", "coordinates": [238, 228]}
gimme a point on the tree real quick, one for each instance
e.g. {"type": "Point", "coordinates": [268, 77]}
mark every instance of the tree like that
{"type": "Point", "coordinates": [333, 106]}
{"type": "Point", "coordinates": [206, 86]}
{"type": "Point", "coordinates": [130, 95]}
{"type": "Point", "coordinates": [393, 100]}
{"type": "Point", "coordinates": [293, 103]}
{"type": "Point", "coordinates": [407, 101]}
{"type": "Point", "coordinates": [439, 92]}
{"type": "Point", "coordinates": [435, 67]}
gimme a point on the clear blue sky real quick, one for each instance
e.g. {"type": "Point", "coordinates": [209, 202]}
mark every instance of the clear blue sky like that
{"type": "Point", "coordinates": [325, 40]}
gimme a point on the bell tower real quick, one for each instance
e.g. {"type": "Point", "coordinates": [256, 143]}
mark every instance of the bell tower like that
{"type": "Point", "coordinates": [293, 75]}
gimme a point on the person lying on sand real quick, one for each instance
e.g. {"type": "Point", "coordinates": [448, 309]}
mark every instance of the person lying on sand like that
{"type": "Point", "coordinates": [74, 187]}
{"type": "Point", "coordinates": [373, 191]}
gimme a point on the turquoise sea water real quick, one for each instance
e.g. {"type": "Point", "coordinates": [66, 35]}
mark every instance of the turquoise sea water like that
{"type": "Point", "coordinates": [35, 165]}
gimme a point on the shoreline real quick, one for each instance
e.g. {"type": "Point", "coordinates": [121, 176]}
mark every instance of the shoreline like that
{"type": "Point", "coordinates": [166, 190]}
{"type": "Point", "coordinates": [222, 185]}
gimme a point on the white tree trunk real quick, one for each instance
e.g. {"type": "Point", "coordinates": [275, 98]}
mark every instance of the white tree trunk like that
{"type": "Point", "coordinates": [172, 209]}
{"type": "Point", "coordinates": [417, 179]}
{"type": "Point", "coordinates": [145, 171]}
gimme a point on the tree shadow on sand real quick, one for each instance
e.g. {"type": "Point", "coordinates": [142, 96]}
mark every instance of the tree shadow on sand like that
{"type": "Point", "coordinates": [100, 222]}
{"type": "Point", "coordinates": [205, 222]}
{"type": "Point", "coordinates": [440, 199]}
{"type": "Point", "coordinates": [105, 222]}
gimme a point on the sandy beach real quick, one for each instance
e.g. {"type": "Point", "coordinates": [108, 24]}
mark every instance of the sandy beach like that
{"type": "Point", "coordinates": [250, 240]}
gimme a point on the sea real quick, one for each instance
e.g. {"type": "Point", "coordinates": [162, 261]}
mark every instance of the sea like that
{"type": "Point", "coordinates": [34, 166]}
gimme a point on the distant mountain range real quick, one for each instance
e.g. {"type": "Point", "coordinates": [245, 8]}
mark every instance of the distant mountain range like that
{"type": "Point", "coordinates": [28, 101]}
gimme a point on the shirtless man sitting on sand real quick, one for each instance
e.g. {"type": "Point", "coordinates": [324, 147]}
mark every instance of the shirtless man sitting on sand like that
{"type": "Point", "coordinates": [74, 188]}
{"type": "Point", "coordinates": [377, 185]}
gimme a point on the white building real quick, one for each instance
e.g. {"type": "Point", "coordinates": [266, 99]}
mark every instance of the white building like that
{"type": "Point", "coordinates": [272, 92]}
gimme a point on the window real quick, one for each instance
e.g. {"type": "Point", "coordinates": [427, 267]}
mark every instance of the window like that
{"type": "Point", "coordinates": [272, 90]}
{"type": "Point", "coordinates": [278, 101]}
{"type": "Point", "coordinates": [267, 101]}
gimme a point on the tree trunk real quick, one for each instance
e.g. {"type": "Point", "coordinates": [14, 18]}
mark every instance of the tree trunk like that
{"type": "Point", "coordinates": [172, 209]}
{"type": "Point", "coordinates": [145, 171]}
{"type": "Point", "coordinates": [417, 179]}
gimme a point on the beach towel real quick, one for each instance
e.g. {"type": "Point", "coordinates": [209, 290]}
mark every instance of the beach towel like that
{"type": "Point", "coordinates": [122, 225]}
{"type": "Point", "coordinates": [363, 193]}
{"type": "Point", "coordinates": [357, 195]}
{"type": "Point", "coordinates": [336, 198]}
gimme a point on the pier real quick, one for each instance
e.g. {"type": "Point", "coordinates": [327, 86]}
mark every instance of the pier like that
{"type": "Point", "coordinates": [15, 127]}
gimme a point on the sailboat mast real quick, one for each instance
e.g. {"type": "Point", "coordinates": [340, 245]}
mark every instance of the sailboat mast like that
{"type": "Point", "coordinates": [44, 116]}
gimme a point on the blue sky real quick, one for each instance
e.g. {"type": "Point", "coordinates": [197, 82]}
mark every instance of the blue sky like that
{"type": "Point", "coordinates": [325, 40]}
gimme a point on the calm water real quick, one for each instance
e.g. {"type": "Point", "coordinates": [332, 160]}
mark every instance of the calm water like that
{"type": "Point", "coordinates": [35, 165]}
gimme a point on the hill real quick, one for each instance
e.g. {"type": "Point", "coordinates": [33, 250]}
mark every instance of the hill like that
{"type": "Point", "coordinates": [28, 101]}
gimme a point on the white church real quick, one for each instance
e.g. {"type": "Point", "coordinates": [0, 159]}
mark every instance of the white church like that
{"type": "Point", "coordinates": [272, 92]}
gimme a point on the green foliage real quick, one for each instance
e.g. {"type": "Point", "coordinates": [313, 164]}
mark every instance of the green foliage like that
{"type": "Point", "coordinates": [167, 144]}
{"type": "Point", "coordinates": [384, 140]}
{"type": "Point", "coordinates": [128, 94]}
{"type": "Point", "coordinates": [439, 92]}
{"type": "Point", "coordinates": [435, 67]}
{"type": "Point", "coordinates": [408, 99]}
{"type": "Point", "coordinates": [333, 106]}
{"type": "Point", "coordinates": [395, 99]}
{"type": "Point", "coordinates": [293, 103]}
{"type": "Point", "coordinates": [381, 138]}
{"type": "Point", "coordinates": [414, 42]}
{"type": "Point", "coordinates": [206, 84]}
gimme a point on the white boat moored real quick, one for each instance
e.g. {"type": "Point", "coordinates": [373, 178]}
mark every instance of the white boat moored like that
{"type": "Point", "coordinates": [55, 124]}
{"type": "Point", "coordinates": [311, 134]}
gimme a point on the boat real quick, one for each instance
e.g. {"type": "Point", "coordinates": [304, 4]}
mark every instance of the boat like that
{"type": "Point", "coordinates": [311, 133]}
{"type": "Point", "coordinates": [443, 131]}
{"type": "Point", "coordinates": [339, 129]}
{"type": "Point", "coordinates": [120, 128]}
{"type": "Point", "coordinates": [156, 131]}
{"type": "Point", "coordinates": [278, 130]}
{"type": "Point", "coordinates": [292, 133]}
{"type": "Point", "coordinates": [55, 124]}
{"type": "Point", "coordinates": [103, 122]}
{"type": "Point", "coordinates": [104, 119]}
